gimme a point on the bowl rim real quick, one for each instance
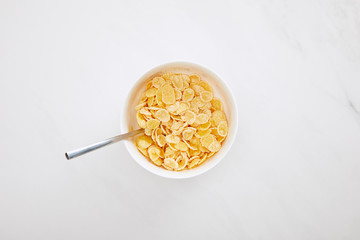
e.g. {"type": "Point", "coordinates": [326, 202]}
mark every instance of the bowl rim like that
{"type": "Point", "coordinates": [124, 122]}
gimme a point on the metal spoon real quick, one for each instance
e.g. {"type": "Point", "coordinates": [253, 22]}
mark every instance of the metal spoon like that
{"type": "Point", "coordinates": [92, 147]}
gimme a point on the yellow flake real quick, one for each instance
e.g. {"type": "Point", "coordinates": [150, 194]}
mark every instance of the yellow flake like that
{"type": "Point", "coordinates": [183, 106]}
{"type": "Point", "coordinates": [178, 94]}
{"type": "Point", "coordinates": [194, 78]}
{"type": "Point", "coordinates": [157, 82]}
{"type": "Point", "coordinates": [182, 162]}
{"type": "Point", "coordinates": [152, 123]}
{"type": "Point", "coordinates": [193, 161]}
{"type": "Point", "coordinates": [148, 85]}
{"type": "Point", "coordinates": [201, 118]}
{"type": "Point", "coordinates": [214, 146]}
{"type": "Point", "coordinates": [218, 116]}
{"type": "Point", "coordinates": [216, 104]}
{"type": "Point", "coordinates": [154, 152]}
{"type": "Point", "coordinates": [158, 96]}
{"type": "Point", "coordinates": [202, 133]}
{"type": "Point", "coordinates": [140, 105]}
{"type": "Point", "coordinates": [188, 95]}
{"type": "Point", "coordinates": [171, 163]}
{"type": "Point", "coordinates": [168, 94]}
{"type": "Point", "coordinates": [206, 86]}
{"type": "Point", "coordinates": [176, 125]}
{"type": "Point", "coordinates": [177, 81]}
{"type": "Point", "coordinates": [158, 162]}
{"type": "Point", "coordinates": [140, 120]}
{"type": "Point", "coordinates": [151, 92]}
{"type": "Point", "coordinates": [197, 88]}
{"type": "Point", "coordinates": [203, 149]}
{"type": "Point", "coordinates": [189, 117]}
{"type": "Point", "coordinates": [188, 133]}
{"type": "Point", "coordinates": [148, 132]}
{"type": "Point", "coordinates": [189, 146]}
{"type": "Point", "coordinates": [181, 146]}
{"type": "Point", "coordinates": [222, 128]}
{"type": "Point", "coordinates": [207, 140]}
{"type": "Point", "coordinates": [143, 141]}
{"type": "Point", "coordinates": [143, 151]}
{"type": "Point", "coordinates": [206, 96]}
{"type": "Point", "coordinates": [169, 151]}
{"type": "Point", "coordinates": [173, 108]}
{"type": "Point", "coordinates": [194, 152]}
{"type": "Point", "coordinates": [145, 112]}
{"type": "Point", "coordinates": [161, 141]}
{"type": "Point", "coordinates": [204, 126]}
{"type": "Point", "coordinates": [220, 139]}
{"type": "Point", "coordinates": [162, 115]}
{"type": "Point", "coordinates": [167, 76]}
{"type": "Point", "coordinates": [151, 101]}
{"type": "Point", "coordinates": [196, 102]}
{"type": "Point", "coordinates": [203, 158]}
{"type": "Point", "coordinates": [172, 139]}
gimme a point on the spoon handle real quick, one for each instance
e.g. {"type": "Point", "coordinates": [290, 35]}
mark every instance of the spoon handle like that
{"type": "Point", "coordinates": [92, 147]}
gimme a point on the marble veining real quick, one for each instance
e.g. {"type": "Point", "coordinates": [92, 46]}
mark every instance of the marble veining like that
{"type": "Point", "coordinates": [292, 173]}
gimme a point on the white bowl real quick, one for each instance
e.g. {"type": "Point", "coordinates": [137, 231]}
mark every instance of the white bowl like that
{"type": "Point", "coordinates": [221, 90]}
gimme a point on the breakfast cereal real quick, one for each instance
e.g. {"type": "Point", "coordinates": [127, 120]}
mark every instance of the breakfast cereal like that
{"type": "Point", "coordinates": [184, 122]}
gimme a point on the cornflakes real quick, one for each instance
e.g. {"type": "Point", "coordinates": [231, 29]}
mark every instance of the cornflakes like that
{"type": "Point", "coordinates": [184, 123]}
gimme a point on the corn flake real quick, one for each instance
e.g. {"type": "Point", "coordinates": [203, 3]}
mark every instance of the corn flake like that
{"type": "Point", "coordinates": [172, 139]}
{"type": "Point", "coordinates": [168, 94]}
{"type": "Point", "coordinates": [204, 126]}
{"type": "Point", "coordinates": [157, 82]}
{"type": "Point", "coordinates": [144, 111]}
{"type": "Point", "coordinates": [143, 141]}
{"type": "Point", "coordinates": [207, 140]}
{"type": "Point", "coordinates": [201, 118]}
{"type": "Point", "coordinates": [181, 146]}
{"type": "Point", "coordinates": [178, 94]}
{"type": "Point", "coordinates": [218, 116]}
{"type": "Point", "coordinates": [204, 157]}
{"type": "Point", "coordinates": [140, 120]}
{"type": "Point", "coordinates": [152, 123]}
{"type": "Point", "coordinates": [151, 92]}
{"type": "Point", "coordinates": [177, 81]}
{"type": "Point", "coordinates": [189, 117]}
{"type": "Point", "coordinates": [214, 146]}
{"type": "Point", "coordinates": [162, 115]}
{"type": "Point", "coordinates": [173, 108]}
{"type": "Point", "coordinates": [194, 161]}
{"type": "Point", "coordinates": [194, 78]}
{"type": "Point", "coordinates": [148, 132]}
{"type": "Point", "coordinates": [202, 133]}
{"type": "Point", "coordinates": [183, 106]}
{"type": "Point", "coordinates": [206, 86]}
{"type": "Point", "coordinates": [188, 133]}
{"type": "Point", "coordinates": [216, 104]}
{"type": "Point", "coordinates": [161, 141]}
{"type": "Point", "coordinates": [188, 95]}
{"type": "Point", "coordinates": [143, 151]}
{"type": "Point", "coordinates": [222, 128]}
{"type": "Point", "coordinates": [182, 162]}
{"type": "Point", "coordinates": [171, 163]}
{"type": "Point", "coordinates": [206, 96]}
{"type": "Point", "coordinates": [154, 152]}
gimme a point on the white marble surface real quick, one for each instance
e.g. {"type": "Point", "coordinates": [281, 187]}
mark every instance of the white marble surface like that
{"type": "Point", "coordinates": [293, 173]}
